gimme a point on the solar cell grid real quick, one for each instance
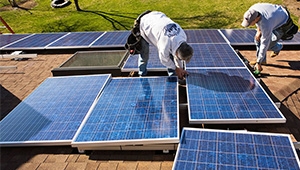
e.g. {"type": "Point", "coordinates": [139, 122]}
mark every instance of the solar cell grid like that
{"type": "Point", "coordinates": [76, 39]}
{"type": "Point", "coordinates": [112, 39]}
{"type": "Point", "coordinates": [153, 62]}
{"type": "Point", "coordinates": [228, 96]}
{"type": "Point", "coordinates": [246, 37]}
{"type": "Point", "coordinates": [214, 55]}
{"type": "Point", "coordinates": [53, 112]}
{"type": "Point", "coordinates": [36, 41]}
{"type": "Point", "coordinates": [218, 149]}
{"type": "Point", "coordinates": [133, 110]}
{"type": "Point", "coordinates": [204, 36]}
{"type": "Point", "coordinates": [10, 38]}
{"type": "Point", "coordinates": [240, 36]}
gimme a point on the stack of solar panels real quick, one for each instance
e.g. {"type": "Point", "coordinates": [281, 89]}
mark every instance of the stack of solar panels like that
{"type": "Point", "coordinates": [220, 88]}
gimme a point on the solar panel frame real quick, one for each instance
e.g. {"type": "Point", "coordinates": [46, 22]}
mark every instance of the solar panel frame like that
{"type": "Point", "coordinates": [111, 39]}
{"type": "Point", "coordinates": [128, 119]}
{"type": "Point", "coordinates": [35, 41]}
{"type": "Point", "coordinates": [228, 95]}
{"type": "Point", "coordinates": [204, 36]}
{"type": "Point", "coordinates": [75, 40]}
{"type": "Point", "coordinates": [214, 55]}
{"type": "Point", "coordinates": [53, 112]}
{"type": "Point", "coordinates": [224, 149]}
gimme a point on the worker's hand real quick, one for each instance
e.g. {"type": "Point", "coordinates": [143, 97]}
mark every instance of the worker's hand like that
{"type": "Point", "coordinates": [181, 73]}
{"type": "Point", "coordinates": [258, 67]}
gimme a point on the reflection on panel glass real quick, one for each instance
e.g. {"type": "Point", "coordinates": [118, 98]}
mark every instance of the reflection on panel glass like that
{"type": "Point", "coordinates": [214, 55]}
{"type": "Point", "coordinates": [231, 95]}
{"type": "Point", "coordinates": [133, 109]}
{"type": "Point", "coordinates": [52, 112]}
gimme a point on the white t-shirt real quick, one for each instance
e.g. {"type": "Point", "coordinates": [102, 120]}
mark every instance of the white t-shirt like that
{"type": "Point", "coordinates": [156, 28]}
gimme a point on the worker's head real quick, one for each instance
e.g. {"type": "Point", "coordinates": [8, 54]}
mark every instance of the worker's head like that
{"type": "Point", "coordinates": [185, 52]}
{"type": "Point", "coordinates": [251, 17]}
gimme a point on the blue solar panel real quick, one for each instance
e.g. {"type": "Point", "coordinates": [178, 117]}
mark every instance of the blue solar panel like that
{"type": "Point", "coordinates": [240, 36]}
{"type": "Point", "coordinates": [228, 96]}
{"type": "Point", "coordinates": [204, 36]}
{"type": "Point", "coordinates": [246, 37]}
{"type": "Point", "coordinates": [214, 55]}
{"type": "Point", "coordinates": [154, 63]}
{"type": "Point", "coordinates": [76, 40]}
{"type": "Point", "coordinates": [36, 41]}
{"type": "Point", "coordinates": [112, 39]}
{"type": "Point", "coordinates": [133, 109]}
{"type": "Point", "coordinates": [220, 149]}
{"type": "Point", "coordinates": [52, 112]}
{"type": "Point", "coordinates": [10, 38]}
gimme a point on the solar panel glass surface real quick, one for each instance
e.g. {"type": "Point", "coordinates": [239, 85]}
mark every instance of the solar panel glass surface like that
{"type": "Point", "coordinates": [133, 111]}
{"type": "Point", "coordinates": [228, 96]}
{"type": "Point", "coordinates": [76, 39]}
{"type": "Point", "coordinates": [239, 36]}
{"type": "Point", "coordinates": [112, 39]}
{"type": "Point", "coordinates": [153, 62]}
{"type": "Point", "coordinates": [10, 38]}
{"type": "Point", "coordinates": [246, 37]}
{"type": "Point", "coordinates": [219, 149]}
{"type": "Point", "coordinates": [204, 36]}
{"type": "Point", "coordinates": [214, 55]}
{"type": "Point", "coordinates": [53, 112]}
{"type": "Point", "coordinates": [36, 41]}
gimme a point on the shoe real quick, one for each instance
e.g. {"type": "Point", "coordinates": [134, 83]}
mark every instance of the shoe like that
{"type": "Point", "coordinates": [274, 54]}
{"type": "Point", "coordinates": [254, 62]}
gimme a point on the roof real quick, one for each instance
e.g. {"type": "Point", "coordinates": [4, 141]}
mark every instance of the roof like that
{"type": "Point", "coordinates": [281, 78]}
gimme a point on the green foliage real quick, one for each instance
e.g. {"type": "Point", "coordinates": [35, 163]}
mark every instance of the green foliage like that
{"type": "Point", "coordinates": [100, 15]}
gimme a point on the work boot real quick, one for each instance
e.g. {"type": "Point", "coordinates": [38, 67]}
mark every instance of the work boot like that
{"type": "Point", "coordinates": [254, 62]}
{"type": "Point", "coordinates": [274, 54]}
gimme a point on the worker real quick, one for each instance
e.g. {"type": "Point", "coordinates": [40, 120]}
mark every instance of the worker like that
{"type": "Point", "coordinates": [154, 27]}
{"type": "Point", "coordinates": [273, 23]}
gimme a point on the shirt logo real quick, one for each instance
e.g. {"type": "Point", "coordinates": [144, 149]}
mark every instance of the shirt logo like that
{"type": "Point", "coordinates": [171, 30]}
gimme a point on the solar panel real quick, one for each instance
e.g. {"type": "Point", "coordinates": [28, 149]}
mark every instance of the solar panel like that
{"type": "Point", "coordinates": [112, 39]}
{"type": "Point", "coordinates": [154, 64]}
{"type": "Point", "coordinates": [7, 39]}
{"type": "Point", "coordinates": [204, 36]}
{"type": "Point", "coordinates": [220, 149]}
{"type": "Point", "coordinates": [246, 37]}
{"type": "Point", "coordinates": [53, 112]}
{"type": "Point", "coordinates": [76, 40]}
{"type": "Point", "coordinates": [239, 36]}
{"type": "Point", "coordinates": [132, 111]}
{"type": "Point", "coordinates": [36, 41]}
{"type": "Point", "coordinates": [214, 55]}
{"type": "Point", "coordinates": [228, 96]}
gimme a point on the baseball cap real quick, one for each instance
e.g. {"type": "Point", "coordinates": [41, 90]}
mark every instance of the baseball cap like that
{"type": "Point", "coordinates": [249, 16]}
